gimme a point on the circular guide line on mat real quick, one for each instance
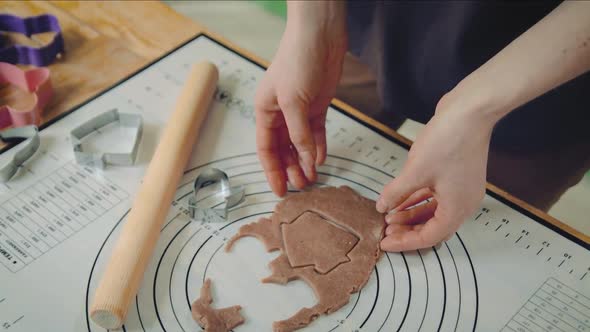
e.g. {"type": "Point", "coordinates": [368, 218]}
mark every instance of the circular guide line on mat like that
{"type": "Point", "coordinates": [402, 290]}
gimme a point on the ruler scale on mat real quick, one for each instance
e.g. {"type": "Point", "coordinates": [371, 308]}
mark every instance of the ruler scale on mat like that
{"type": "Point", "coordinates": [504, 270]}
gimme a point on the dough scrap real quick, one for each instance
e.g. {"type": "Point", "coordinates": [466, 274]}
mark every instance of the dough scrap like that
{"type": "Point", "coordinates": [328, 237]}
{"type": "Point", "coordinates": [214, 320]}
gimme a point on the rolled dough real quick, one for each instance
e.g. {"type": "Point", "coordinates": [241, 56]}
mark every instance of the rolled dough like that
{"type": "Point", "coordinates": [314, 241]}
{"type": "Point", "coordinates": [214, 320]}
{"type": "Point", "coordinates": [329, 237]}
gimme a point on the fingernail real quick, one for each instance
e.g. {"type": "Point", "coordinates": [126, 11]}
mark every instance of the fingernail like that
{"type": "Point", "coordinates": [319, 162]}
{"type": "Point", "coordinates": [381, 206]}
{"type": "Point", "coordinates": [307, 170]}
{"type": "Point", "coordinates": [308, 165]}
{"type": "Point", "coordinates": [310, 173]}
{"type": "Point", "coordinates": [389, 216]}
{"type": "Point", "coordinates": [390, 245]}
{"type": "Point", "coordinates": [388, 231]}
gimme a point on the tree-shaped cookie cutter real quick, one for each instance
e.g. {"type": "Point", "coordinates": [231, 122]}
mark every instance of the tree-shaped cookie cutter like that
{"type": "Point", "coordinates": [231, 196]}
{"type": "Point", "coordinates": [101, 159]}
{"type": "Point", "coordinates": [30, 146]}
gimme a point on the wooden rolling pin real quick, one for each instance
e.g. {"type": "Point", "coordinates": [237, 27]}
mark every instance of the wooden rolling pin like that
{"type": "Point", "coordinates": [135, 246]}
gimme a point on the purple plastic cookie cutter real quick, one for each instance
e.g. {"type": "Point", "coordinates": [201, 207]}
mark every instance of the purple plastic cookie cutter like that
{"type": "Point", "coordinates": [27, 55]}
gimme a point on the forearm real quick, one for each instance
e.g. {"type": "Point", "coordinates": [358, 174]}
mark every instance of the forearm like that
{"type": "Point", "coordinates": [552, 52]}
{"type": "Point", "coordinates": [323, 19]}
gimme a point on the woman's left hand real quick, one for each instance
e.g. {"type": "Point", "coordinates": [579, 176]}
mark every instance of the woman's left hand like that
{"type": "Point", "coordinates": [447, 164]}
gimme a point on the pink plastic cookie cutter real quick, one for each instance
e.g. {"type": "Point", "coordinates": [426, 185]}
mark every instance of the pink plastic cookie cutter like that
{"type": "Point", "coordinates": [35, 81]}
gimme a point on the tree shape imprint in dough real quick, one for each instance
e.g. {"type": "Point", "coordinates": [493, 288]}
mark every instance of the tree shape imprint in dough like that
{"type": "Point", "coordinates": [311, 240]}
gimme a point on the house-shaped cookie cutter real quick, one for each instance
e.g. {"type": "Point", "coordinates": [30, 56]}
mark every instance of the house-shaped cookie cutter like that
{"type": "Point", "coordinates": [30, 146]}
{"type": "Point", "coordinates": [101, 159]}
{"type": "Point", "coordinates": [231, 196]}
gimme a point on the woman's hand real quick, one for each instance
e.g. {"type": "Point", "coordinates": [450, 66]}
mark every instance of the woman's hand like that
{"type": "Point", "coordinates": [448, 160]}
{"type": "Point", "coordinates": [446, 164]}
{"type": "Point", "coordinates": [293, 97]}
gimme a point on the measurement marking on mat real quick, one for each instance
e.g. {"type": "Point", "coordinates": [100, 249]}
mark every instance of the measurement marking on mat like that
{"type": "Point", "coordinates": [538, 252]}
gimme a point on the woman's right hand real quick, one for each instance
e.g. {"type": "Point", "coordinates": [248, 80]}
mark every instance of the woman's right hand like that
{"type": "Point", "coordinates": [292, 99]}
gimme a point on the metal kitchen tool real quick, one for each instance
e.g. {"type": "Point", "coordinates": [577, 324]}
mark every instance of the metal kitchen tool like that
{"type": "Point", "coordinates": [215, 184]}
{"type": "Point", "coordinates": [28, 149]}
{"type": "Point", "coordinates": [101, 159]}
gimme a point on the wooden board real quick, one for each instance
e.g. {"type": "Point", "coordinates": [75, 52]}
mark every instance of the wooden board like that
{"type": "Point", "coordinates": [107, 41]}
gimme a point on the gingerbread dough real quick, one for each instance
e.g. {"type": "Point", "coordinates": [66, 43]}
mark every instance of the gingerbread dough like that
{"type": "Point", "coordinates": [214, 320]}
{"type": "Point", "coordinates": [328, 237]}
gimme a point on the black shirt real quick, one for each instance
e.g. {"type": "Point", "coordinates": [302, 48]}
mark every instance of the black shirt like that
{"type": "Point", "coordinates": [421, 50]}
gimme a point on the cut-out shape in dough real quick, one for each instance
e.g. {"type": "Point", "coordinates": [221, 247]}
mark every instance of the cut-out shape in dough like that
{"type": "Point", "coordinates": [214, 320]}
{"type": "Point", "coordinates": [342, 208]}
{"type": "Point", "coordinates": [311, 240]}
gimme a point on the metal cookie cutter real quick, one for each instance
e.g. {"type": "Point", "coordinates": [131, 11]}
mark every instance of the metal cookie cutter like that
{"type": "Point", "coordinates": [29, 148]}
{"type": "Point", "coordinates": [231, 196]}
{"type": "Point", "coordinates": [101, 159]}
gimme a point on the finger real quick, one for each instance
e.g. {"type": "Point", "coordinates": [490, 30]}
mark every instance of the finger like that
{"type": "Point", "coordinates": [296, 116]}
{"type": "Point", "coordinates": [397, 228]}
{"type": "Point", "coordinates": [394, 228]}
{"type": "Point", "coordinates": [397, 191]}
{"type": "Point", "coordinates": [415, 198]}
{"type": "Point", "coordinates": [289, 160]}
{"type": "Point", "coordinates": [268, 153]}
{"type": "Point", "coordinates": [319, 109]}
{"type": "Point", "coordinates": [401, 228]}
{"type": "Point", "coordinates": [274, 172]}
{"type": "Point", "coordinates": [417, 215]}
{"type": "Point", "coordinates": [446, 239]}
{"type": "Point", "coordinates": [269, 120]}
{"type": "Point", "coordinates": [294, 173]}
{"type": "Point", "coordinates": [319, 134]}
{"type": "Point", "coordinates": [427, 235]}
{"type": "Point", "coordinates": [450, 236]}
